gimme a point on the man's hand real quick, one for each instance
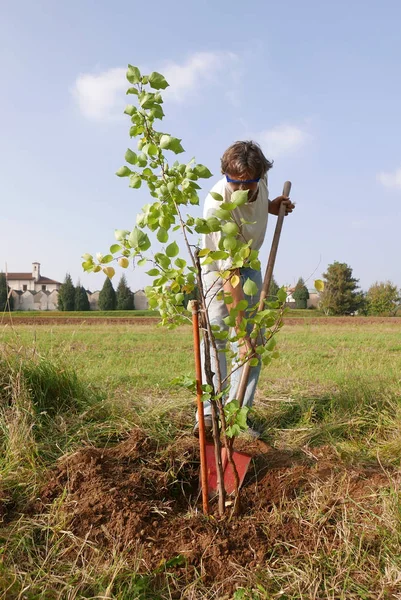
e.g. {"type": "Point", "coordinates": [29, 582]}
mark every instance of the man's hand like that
{"type": "Point", "coordinates": [274, 205]}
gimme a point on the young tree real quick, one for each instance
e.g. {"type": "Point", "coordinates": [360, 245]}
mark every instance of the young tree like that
{"type": "Point", "coordinates": [81, 298]}
{"type": "Point", "coordinates": [174, 188]}
{"type": "Point", "coordinates": [66, 295]}
{"type": "Point", "coordinates": [383, 298]}
{"type": "Point", "coordinates": [107, 296]}
{"type": "Point", "coordinates": [125, 298]}
{"type": "Point", "coordinates": [340, 295]}
{"type": "Point", "coordinates": [273, 290]}
{"type": "Point", "coordinates": [6, 299]}
{"type": "Point", "coordinates": [301, 294]}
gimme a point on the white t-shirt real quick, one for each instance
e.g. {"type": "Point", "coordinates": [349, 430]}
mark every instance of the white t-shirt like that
{"type": "Point", "coordinates": [255, 212]}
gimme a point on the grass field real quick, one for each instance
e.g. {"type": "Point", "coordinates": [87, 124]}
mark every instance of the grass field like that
{"type": "Point", "coordinates": [332, 398]}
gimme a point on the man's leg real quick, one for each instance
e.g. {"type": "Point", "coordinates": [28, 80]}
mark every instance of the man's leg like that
{"type": "Point", "coordinates": [217, 311]}
{"type": "Point", "coordinates": [254, 373]}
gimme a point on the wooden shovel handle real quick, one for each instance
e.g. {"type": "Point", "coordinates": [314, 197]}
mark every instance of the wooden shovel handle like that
{"type": "Point", "coordinates": [201, 418]}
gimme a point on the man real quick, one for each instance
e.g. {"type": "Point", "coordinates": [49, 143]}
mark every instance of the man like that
{"type": "Point", "coordinates": [244, 167]}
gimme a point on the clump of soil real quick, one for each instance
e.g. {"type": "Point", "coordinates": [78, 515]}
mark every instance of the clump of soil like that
{"type": "Point", "coordinates": [146, 498]}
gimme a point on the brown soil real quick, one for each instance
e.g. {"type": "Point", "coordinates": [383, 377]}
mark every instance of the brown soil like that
{"type": "Point", "coordinates": [137, 496]}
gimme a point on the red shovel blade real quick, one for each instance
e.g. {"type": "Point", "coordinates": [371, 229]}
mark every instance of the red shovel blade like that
{"type": "Point", "coordinates": [241, 461]}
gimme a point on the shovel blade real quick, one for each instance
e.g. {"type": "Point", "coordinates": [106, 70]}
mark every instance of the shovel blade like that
{"type": "Point", "coordinates": [241, 461]}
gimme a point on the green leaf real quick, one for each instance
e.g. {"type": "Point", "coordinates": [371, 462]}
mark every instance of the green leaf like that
{"type": "Point", "coordinates": [142, 262]}
{"type": "Point", "coordinates": [270, 344]}
{"type": "Point", "coordinates": [150, 149]}
{"type": "Point", "coordinates": [219, 255]}
{"type": "Point", "coordinates": [157, 111]}
{"type": "Point", "coordinates": [172, 250]}
{"type": "Point", "coordinates": [130, 110]}
{"type": "Point", "coordinates": [132, 90]}
{"type": "Point", "coordinates": [120, 234]}
{"type": "Point", "coordinates": [131, 157]}
{"type": "Point", "coordinates": [203, 252]}
{"type": "Point", "coordinates": [123, 171]}
{"type": "Point", "coordinates": [250, 288]}
{"type": "Point", "coordinates": [230, 243]}
{"type": "Point", "coordinates": [139, 240]}
{"type": "Point", "coordinates": [106, 259]}
{"type": "Point", "coordinates": [135, 181]}
{"type": "Point", "coordinates": [281, 295]}
{"type": "Point", "coordinates": [181, 263]}
{"type": "Point", "coordinates": [168, 142]}
{"type": "Point", "coordinates": [162, 235]}
{"type": "Point", "coordinates": [230, 228]}
{"type": "Point", "coordinates": [153, 272]}
{"type": "Point", "coordinates": [239, 197]}
{"type": "Point", "coordinates": [242, 305]}
{"type": "Point", "coordinates": [115, 248]}
{"type": "Point", "coordinates": [157, 81]}
{"type": "Point", "coordinates": [217, 197]}
{"type": "Point", "coordinates": [142, 160]}
{"type": "Point", "coordinates": [133, 74]}
{"type": "Point", "coordinates": [202, 171]}
{"type": "Point", "coordinates": [213, 223]}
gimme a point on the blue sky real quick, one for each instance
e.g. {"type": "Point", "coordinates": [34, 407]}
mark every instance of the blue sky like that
{"type": "Point", "coordinates": [317, 84]}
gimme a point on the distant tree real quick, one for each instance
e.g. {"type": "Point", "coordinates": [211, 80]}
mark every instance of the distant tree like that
{"type": "Point", "coordinates": [66, 295]}
{"type": "Point", "coordinates": [107, 296]}
{"type": "Point", "coordinates": [383, 298]}
{"type": "Point", "coordinates": [341, 295]}
{"type": "Point", "coordinates": [124, 296]}
{"type": "Point", "coordinates": [301, 294]}
{"type": "Point", "coordinates": [6, 300]}
{"type": "Point", "coordinates": [273, 289]}
{"type": "Point", "coordinates": [81, 298]}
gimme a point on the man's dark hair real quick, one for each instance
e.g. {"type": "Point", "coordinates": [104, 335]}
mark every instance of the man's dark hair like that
{"type": "Point", "coordinates": [245, 159]}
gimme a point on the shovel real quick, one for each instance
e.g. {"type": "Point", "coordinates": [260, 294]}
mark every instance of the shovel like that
{"type": "Point", "coordinates": [241, 459]}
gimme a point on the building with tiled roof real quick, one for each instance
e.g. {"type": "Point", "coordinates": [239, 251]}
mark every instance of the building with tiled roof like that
{"type": "Point", "coordinates": [33, 291]}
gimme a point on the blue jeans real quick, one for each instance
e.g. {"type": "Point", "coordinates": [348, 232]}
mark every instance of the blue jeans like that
{"type": "Point", "coordinates": [217, 312]}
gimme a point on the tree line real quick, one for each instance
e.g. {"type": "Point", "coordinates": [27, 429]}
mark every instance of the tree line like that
{"type": "Point", "coordinates": [341, 295]}
{"type": "Point", "coordinates": [73, 298]}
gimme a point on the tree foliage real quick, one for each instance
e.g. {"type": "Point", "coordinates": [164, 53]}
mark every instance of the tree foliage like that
{"type": "Point", "coordinates": [273, 290]}
{"type": "Point", "coordinates": [173, 187]}
{"type": "Point", "coordinates": [341, 294]}
{"type": "Point", "coordinates": [301, 294]}
{"type": "Point", "coordinates": [107, 296]}
{"type": "Point", "coordinates": [6, 299]}
{"type": "Point", "coordinates": [66, 295]}
{"type": "Point", "coordinates": [383, 298]}
{"type": "Point", "coordinates": [125, 297]}
{"type": "Point", "coordinates": [81, 298]}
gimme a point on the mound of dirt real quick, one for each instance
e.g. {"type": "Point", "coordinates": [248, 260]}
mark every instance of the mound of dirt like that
{"type": "Point", "coordinates": [146, 498]}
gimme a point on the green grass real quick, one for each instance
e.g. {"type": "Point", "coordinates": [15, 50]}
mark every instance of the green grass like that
{"type": "Point", "coordinates": [334, 385]}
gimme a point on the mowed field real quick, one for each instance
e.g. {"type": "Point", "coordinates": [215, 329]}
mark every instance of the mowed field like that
{"type": "Point", "coordinates": [98, 467]}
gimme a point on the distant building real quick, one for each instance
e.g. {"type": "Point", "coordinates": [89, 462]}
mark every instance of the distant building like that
{"type": "Point", "coordinates": [140, 300]}
{"type": "Point", "coordinates": [33, 291]}
{"type": "Point", "coordinates": [312, 302]}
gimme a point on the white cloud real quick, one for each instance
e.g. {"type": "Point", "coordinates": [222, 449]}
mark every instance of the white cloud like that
{"type": "Point", "coordinates": [101, 96]}
{"type": "Point", "coordinates": [390, 180]}
{"type": "Point", "coordinates": [200, 69]}
{"type": "Point", "coordinates": [282, 139]}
